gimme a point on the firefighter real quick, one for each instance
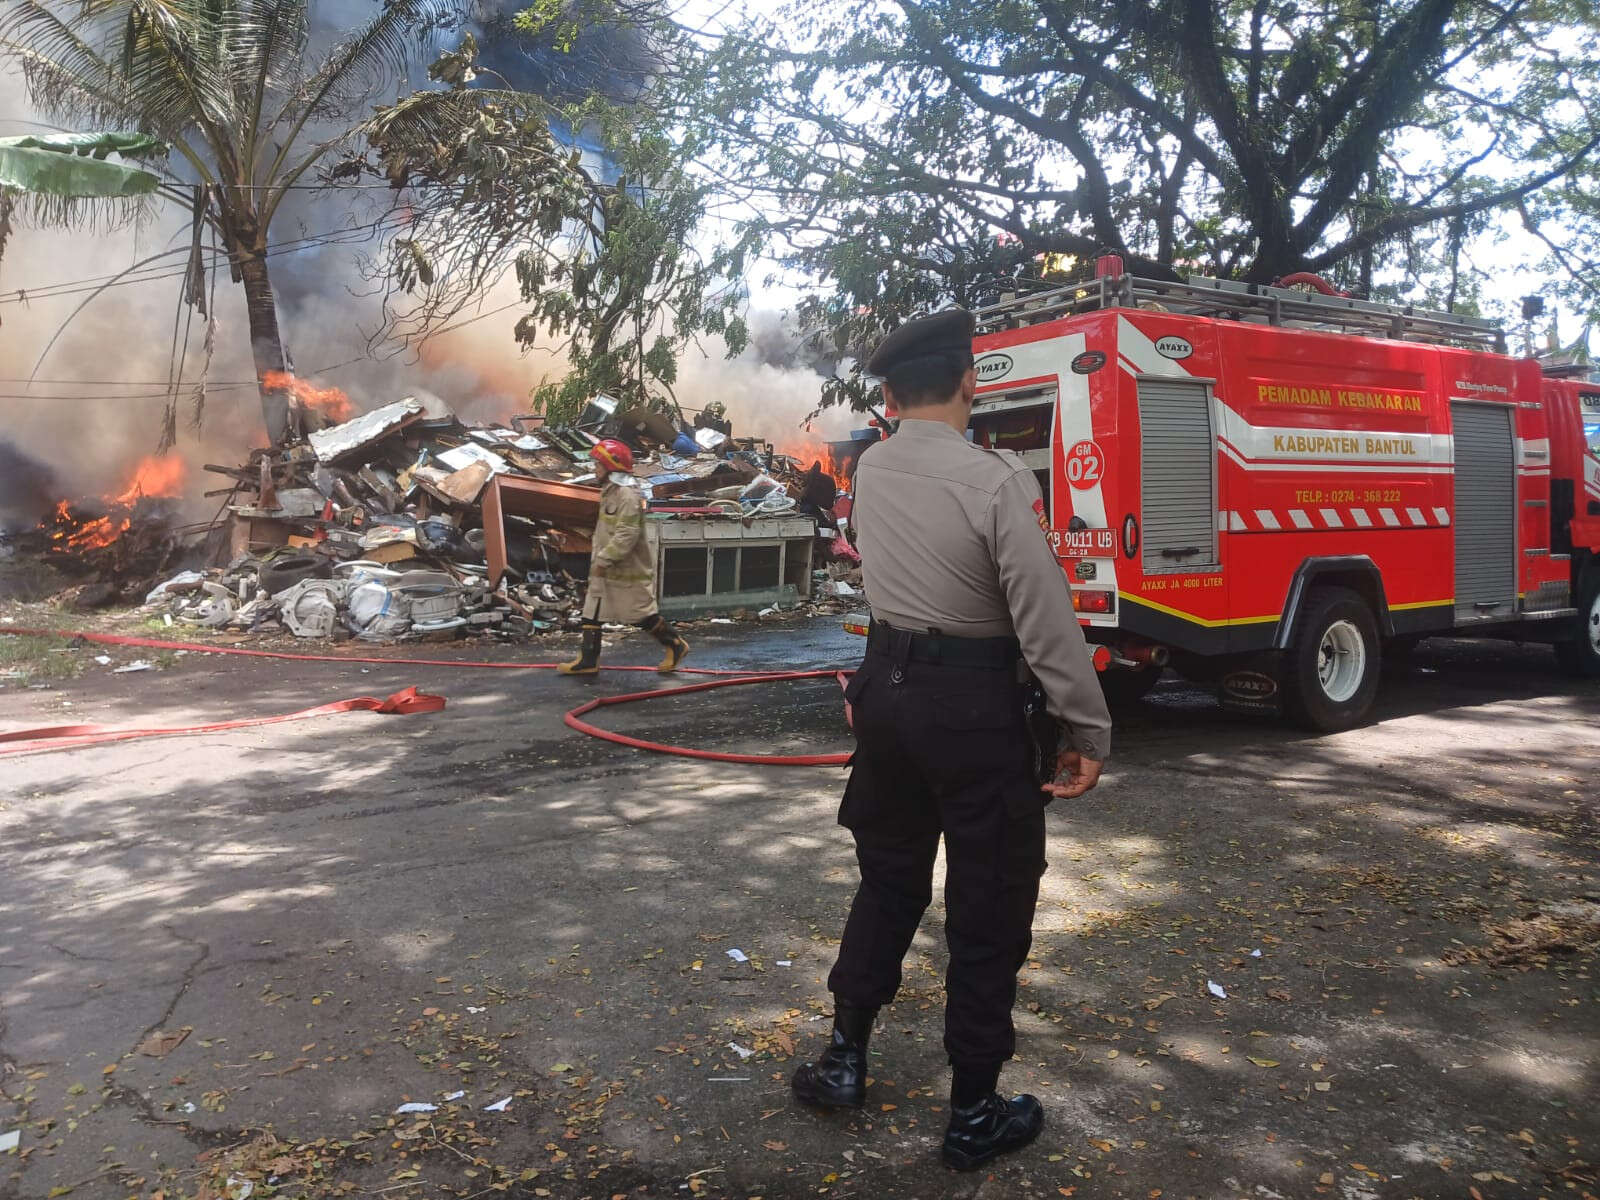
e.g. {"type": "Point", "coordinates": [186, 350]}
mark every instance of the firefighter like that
{"type": "Point", "coordinates": [622, 571]}
{"type": "Point", "coordinates": [964, 589]}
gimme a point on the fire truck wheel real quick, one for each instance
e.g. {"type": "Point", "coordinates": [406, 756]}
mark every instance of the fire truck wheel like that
{"type": "Point", "coordinates": [1580, 657]}
{"type": "Point", "coordinates": [1123, 689]}
{"type": "Point", "coordinates": [1330, 675]}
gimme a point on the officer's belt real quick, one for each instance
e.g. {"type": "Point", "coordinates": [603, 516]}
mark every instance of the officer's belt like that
{"type": "Point", "coordinates": [937, 649]}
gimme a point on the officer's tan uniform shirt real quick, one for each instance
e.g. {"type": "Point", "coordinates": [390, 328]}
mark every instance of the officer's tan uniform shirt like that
{"type": "Point", "coordinates": [950, 540]}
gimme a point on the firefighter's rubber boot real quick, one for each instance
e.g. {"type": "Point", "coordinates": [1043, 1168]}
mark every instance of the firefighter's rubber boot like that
{"type": "Point", "coordinates": [984, 1128]}
{"type": "Point", "coordinates": [838, 1079]}
{"type": "Point", "coordinates": [677, 648]}
{"type": "Point", "coordinates": [588, 660]}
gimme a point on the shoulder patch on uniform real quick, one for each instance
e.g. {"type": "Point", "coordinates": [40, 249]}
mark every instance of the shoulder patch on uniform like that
{"type": "Point", "coordinates": [1039, 515]}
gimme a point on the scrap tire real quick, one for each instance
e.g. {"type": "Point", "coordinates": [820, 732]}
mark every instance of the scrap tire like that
{"type": "Point", "coordinates": [1579, 656]}
{"type": "Point", "coordinates": [281, 574]}
{"type": "Point", "coordinates": [1330, 674]}
{"type": "Point", "coordinates": [1125, 688]}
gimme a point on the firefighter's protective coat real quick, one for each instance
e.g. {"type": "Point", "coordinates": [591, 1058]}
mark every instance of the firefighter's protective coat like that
{"type": "Point", "coordinates": [622, 574]}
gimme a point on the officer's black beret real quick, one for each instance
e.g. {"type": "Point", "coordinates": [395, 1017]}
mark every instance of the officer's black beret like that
{"type": "Point", "coordinates": [947, 334]}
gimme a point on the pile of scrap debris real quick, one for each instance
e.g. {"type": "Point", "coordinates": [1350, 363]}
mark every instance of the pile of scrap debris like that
{"type": "Point", "coordinates": [407, 522]}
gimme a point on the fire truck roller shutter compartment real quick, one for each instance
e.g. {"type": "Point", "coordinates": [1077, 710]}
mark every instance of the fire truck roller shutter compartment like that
{"type": "Point", "coordinates": [1177, 467]}
{"type": "Point", "coordinates": [1485, 516]}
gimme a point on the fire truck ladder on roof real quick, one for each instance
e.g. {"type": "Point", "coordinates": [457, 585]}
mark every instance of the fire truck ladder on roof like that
{"type": "Point", "coordinates": [1257, 303]}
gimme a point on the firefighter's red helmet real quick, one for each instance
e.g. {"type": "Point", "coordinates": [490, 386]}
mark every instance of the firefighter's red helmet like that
{"type": "Point", "coordinates": [612, 453]}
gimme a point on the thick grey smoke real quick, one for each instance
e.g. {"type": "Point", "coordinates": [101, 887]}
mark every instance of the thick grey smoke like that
{"type": "Point", "coordinates": [28, 488]}
{"type": "Point", "coordinates": [97, 405]}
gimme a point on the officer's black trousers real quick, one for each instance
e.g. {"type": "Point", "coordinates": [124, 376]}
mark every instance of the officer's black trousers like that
{"type": "Point", "coordinates": [943, 750]}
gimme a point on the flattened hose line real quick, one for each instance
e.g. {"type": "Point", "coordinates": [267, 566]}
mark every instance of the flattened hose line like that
{"type": "Point", "coordinates": [66, 737]}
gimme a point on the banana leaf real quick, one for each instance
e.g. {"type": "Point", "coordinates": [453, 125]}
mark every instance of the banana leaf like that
{"type": "Point", "coordinates": [75, 165]}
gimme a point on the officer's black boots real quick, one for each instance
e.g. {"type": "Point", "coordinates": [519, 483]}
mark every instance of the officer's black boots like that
{"type": "Point", "coordinates": [677, 648]}
{"type": "Point", "coordinates": [588, 660]}
{"type": "Point", "coordinates": [838, 1079]}
{"type": "Point", "coordinates": [988, 1128]}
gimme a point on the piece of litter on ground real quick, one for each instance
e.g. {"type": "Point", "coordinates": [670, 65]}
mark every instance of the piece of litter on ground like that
{"type": "Point", "coordinates": [1255, 954]}
{"type": "Point", "coordinates": [240, 1189]}
{"type": "Point", "coordinates": [417, 1106]}
{"type": "Point", "coordinates": [454, 1096]}
{"type": "Point", "coordinates": [741, 1051]}
{"type": "Point", "coordinates": [188, 1106]}
{"type": "Point", "coordinates": [103, 659]}
{"type": "Point", "coordinates": [474, 1008]}
{"type": "Point", "coordinates": [10, 1140]}
{"type": "Point", "coordinates": [721, 621]}
{"type": "Point", "coordinates": [166, 619]}
{"type": "Point", "coordinates": [729, 1079]}
{"type": "Point", "coordinates": [1216, 990]}
{"type": "Point", "coordinates": [498, 1105]}
{"type": "Point", "coordinates": [786, 962]}
{"type": "Point", "coordinates": [138, 664]}
{"type": "Point", "coordinates": [738, 955]}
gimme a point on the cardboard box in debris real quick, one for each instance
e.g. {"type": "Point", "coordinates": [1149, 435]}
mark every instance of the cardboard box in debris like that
{"type": "Point", "coordinates": [408, 522]}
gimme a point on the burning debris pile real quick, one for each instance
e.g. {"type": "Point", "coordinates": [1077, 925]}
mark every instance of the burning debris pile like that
{"type": "Point", "coordinates": [118, 543]}
{"type": "Point", "coordinates": [406, 522]}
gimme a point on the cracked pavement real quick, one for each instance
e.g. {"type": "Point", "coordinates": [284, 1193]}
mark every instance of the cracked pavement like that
{"type": "Point", "coordinates": [343, 914]}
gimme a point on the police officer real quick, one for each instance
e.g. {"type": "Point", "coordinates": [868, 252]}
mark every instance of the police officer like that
{"type": "Point", "coordinates": [964, 590]}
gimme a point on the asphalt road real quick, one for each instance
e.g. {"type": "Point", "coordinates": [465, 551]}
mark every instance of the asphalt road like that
{"type": "Point", "coordinates": [345, 914]}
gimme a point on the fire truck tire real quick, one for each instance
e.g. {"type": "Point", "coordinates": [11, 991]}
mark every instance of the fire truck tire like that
{"type": "Point", "coordinates": [1580, 656]}
{"type": "Point", "coordinates": [1330, 674]}
{"type": "Point", "coordinates": [1124, 689]}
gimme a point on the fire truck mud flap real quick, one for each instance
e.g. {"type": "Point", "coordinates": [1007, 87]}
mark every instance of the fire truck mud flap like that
{"type": "Point", "coordinates": [1252, 685]}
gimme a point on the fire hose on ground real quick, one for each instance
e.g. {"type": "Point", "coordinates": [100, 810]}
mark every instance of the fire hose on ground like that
{"type": "Point", "coordinates": [408, 700]}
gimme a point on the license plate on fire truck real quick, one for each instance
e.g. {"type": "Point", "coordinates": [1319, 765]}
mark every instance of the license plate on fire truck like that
{"type": "Point", "coordinates": [1084, 543]}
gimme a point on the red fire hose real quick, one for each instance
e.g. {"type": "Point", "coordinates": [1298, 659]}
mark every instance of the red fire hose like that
{"type": "Point", "coordinates": [68, 737]}
{"type": "Point", "coordinates": [575, 721]}
{"type": "Point", "coordinates": [409, 700]}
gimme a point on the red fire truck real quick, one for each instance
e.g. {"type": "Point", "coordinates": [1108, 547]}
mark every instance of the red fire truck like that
{"type": "Point", "coordinates": [1271, 488]}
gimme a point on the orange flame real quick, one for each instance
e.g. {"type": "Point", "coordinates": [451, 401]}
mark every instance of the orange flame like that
{"type": "Point", "coordinates": [329, 401]}
{"type": "Point", "coordinates": [154, 476]}
{"type": "Point", "coordinates": [99, 533]}
{"type": "Point", "coordinates": [806, 449]}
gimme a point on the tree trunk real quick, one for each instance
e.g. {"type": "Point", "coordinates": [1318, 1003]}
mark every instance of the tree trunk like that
{"type": "Point", "coordinates": [266, 344]}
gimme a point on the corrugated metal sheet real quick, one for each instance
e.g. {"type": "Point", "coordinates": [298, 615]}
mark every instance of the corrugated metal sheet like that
{"type": "Point", "coordinates": [1177, 466]}
{"type": "Point", "coordinates": [1486, 511]}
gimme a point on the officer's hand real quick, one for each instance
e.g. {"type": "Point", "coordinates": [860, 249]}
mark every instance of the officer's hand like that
{"type": "Point", "coordinates": [1081, 774]}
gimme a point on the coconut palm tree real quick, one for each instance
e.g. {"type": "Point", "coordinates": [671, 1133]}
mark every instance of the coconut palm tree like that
{"type": "Point", "coordinates": [235, 89]}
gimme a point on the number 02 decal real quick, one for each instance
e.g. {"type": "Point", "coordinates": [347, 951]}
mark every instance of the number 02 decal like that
{"type": "Point", "coordinates": [1084, 465]}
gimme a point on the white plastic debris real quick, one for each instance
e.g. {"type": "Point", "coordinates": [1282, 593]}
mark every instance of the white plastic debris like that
{"type": "Point", "coordinates": [10, 1140]}
{"type": "Point", "coordinates": [476, 1008]}
{"type": "Point", "coordinates": [498, 1105]}
{"type": "Point", "coordinates": [786, 962]}
{"type": "Point", "coordinates": [467, 454]}
{"type": "Point", "coordinates": [1216, 990]}
{"type": "Point", "coordinates": [103, 659]}
{"type": "Point", "coordinates": [239, 1189]}
{"type": "Point", "coordinates": [188, 1106]}
{"type": "Point", "coordinates": [138, 664]}
{"type": "Point", "coordinates": [454, 1096]}
{"type": "Point", "coordinates": [184, 579]}
{"type": "Point", "coordinates": [417, 1106]}
{"type": "Point", "coordinates": [1255, 954]}
{"type": "Point", "coordinates": [741, 1051]}
{"type": "Point", "coordinates": [738, 955]}
{"type": "Point", "coordinates": [378, 612]}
